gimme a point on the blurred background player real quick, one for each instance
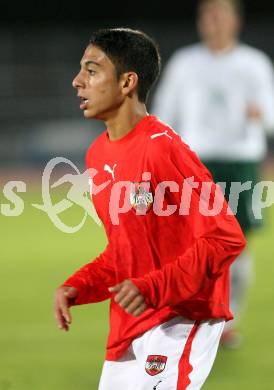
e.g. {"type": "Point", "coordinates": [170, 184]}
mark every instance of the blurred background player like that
{"type": "Point", "coordinates": [219, 95]}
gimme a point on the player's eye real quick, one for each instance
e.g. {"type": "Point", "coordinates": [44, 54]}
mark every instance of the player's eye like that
{"type": "Point", "coordinates": [91, 72]}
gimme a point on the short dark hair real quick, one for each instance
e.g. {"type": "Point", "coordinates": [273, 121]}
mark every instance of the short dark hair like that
{"type": "Point", "coordinates": [130, 50]}
{"type": "Point", "coordinates": [237, 5]}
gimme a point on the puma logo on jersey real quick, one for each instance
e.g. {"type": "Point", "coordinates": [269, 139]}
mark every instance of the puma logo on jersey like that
{"type": "Point", "coordinates": [108, 169]}
{"type": "Point", "coordinates": [160, 134]}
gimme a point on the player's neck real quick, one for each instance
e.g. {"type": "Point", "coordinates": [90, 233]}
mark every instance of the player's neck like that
{"type": "Point", "coordinates": [221, 45]}
{"type": "Point", "coordinates": [125, 120]}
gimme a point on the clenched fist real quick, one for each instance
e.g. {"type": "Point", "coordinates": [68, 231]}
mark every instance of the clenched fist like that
{"type": "Point", "coordinates": [129, 298]}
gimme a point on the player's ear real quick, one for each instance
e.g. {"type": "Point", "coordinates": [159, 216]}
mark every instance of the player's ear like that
{"type": "Point", "coordinates": [129, 83]}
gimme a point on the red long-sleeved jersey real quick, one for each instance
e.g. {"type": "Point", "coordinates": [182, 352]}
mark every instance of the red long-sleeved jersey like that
{"type": "Point", "coordinates": [178, 256]}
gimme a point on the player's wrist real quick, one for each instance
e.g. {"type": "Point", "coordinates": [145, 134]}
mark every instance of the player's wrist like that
{"type": "Point", "coordinates": [79, 299]}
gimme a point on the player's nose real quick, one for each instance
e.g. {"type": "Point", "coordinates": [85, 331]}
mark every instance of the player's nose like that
{"type": "Point", "coordinates": [77, 81]}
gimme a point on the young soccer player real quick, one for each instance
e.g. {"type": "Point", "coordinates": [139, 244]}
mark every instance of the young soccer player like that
{"type": "Point", "coordinates": [166, 266]}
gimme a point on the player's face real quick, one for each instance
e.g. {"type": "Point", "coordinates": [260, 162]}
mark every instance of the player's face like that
{"type": "Point", "coordinates": [97, 85]}
{"type": "Point", "coordinates": [217, 19]}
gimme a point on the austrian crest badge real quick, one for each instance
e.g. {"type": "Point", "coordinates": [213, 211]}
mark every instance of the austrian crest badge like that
{"type": "Point", "coordinates": [141, 198]}
{"type": "Point", "coordinates": [155, 364]}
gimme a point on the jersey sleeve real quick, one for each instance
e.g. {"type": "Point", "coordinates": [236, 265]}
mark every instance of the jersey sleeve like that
{"type": "Point", "coordinates": [217, 239]}
{"type": "Point", "coordinates": [93, 279]}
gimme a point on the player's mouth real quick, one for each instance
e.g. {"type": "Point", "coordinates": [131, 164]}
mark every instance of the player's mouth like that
{"type": "Point", "coordinates": [84, 103]}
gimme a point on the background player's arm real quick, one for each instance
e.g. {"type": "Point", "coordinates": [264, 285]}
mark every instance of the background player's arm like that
{"type": "Point", "coordinates": [262, 94]}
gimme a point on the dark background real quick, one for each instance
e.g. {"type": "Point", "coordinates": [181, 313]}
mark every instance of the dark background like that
{"type": "Point", "coordinates": [42, 44]}
{"type": "Point", "coordinates": [92, 10]}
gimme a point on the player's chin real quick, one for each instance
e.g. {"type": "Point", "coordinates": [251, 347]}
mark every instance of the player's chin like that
{"type": "Point", "coordinates": [88, 114]}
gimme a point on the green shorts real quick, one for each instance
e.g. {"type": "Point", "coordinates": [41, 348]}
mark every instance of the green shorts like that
{"type": "Point", "coordinates": [238, 172]}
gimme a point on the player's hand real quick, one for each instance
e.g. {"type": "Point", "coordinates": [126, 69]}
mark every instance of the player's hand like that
{"type": "Point", "coordinates": [63, 299]}
{"type": "Point", "coordinates": [253, 112]}
{"type": "Point", "coordinates": [129, 298]}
